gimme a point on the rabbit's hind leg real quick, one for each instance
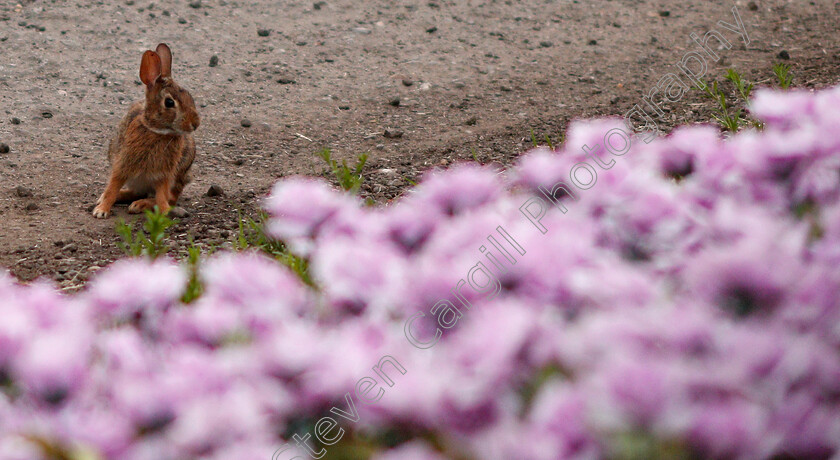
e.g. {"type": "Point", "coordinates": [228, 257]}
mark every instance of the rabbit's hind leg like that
{"type": "Point", "coordinates": [139, 206]}
{"type": "Point", "coordinates": [128, 195]}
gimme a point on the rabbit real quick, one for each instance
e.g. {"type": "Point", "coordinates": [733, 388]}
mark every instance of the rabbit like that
{"type": "Point", "coordinates": [154, 148]}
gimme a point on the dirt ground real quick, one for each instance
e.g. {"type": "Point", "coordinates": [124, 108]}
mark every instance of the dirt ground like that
{"type": "Point", "coordinates": [470, 76]}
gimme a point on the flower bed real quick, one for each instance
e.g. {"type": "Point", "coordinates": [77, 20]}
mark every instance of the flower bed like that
{"type": "Point", "coordinates": [687, 303]}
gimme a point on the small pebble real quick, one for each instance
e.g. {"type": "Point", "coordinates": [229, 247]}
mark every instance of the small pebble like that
{"type": "Point", "coordinates": [393, 134]}
{"type": "Point", "coordinates": [395, 101]}
{"type": "Point", "coordinates": [752, 6]}
{"type": "Point", "coordinates": [214, 61]}
{"type": "Point", "coordinates": [318, 5]}
{"type": "Point", "coordinates": [32, 207]}
{"type": "Point", "coordinates": [195, 4]}
{"type": "Point", "coordinates": [263, 32]}
{"type": "Point", "coordinates": [285, 81]}
{"type": "Point", "coordinates": [784, 55]}
{"type": "Point", "coordinates": [431, 30]}
{"type": "Point", "coordinates": [15, 120]}
{"type": "Point", "coordinates": [22, 191]}
{"type": "Point", "coordinates": [246, 123]}
{"type": "Point", "coordinates": [4, 148]}
{"type": "Point", "coordinates": [471, 121]}
{"type": "Point", "coordinates": [178, 212]}
{"type": "Point", "coordinates": [664, 13]}
{"type": "Point", "coordinates": [593, 42]}
{"type": "Point", "coordinates": [215, 190]}
{"type": "Point", "coordinates": [407, 82]}
{"type": "Point", "coordinates": [361, 31]}
{"type": "Point", "coordinates": [182, 21]}
{"type": "Point", "coordinates": [546, 44]}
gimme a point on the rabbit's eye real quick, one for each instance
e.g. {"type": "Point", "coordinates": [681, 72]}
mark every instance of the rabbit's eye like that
{"type": "Point", "coordinates": [169, 103]}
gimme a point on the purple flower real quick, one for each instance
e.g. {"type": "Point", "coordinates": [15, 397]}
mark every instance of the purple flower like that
{"type": "Point", "coordinates": [359, 274]}
{"type": "Point", "coordinates": [560, 413]}
{"type": "Point", "coordinates": [409, 227]}
{"type": "Point", "coordinates": [207, 425]}
{"type": "Point", "coordinates": [589, 138]}
{"type": "Point", "coordinates": [478, 350]}
{"type": "Point", "coordinates": [782, 109]}
{"type": "Point", "coordinates": [754, 276]}
{"type": "Point", "coordinates": [53, 366]}
{"type": "Point", "coordinates": [542, 167]}
{"type": "Point", "coordinates": [98, 429]}
{"type": "Point", "coordinates": [265, 290]}
{"type": "Point", "coordinates": [252, 450]}
{"type": "Point", "coordinates": [14, 447]}
{"type": "Point", "coordinates": [727, 430]}
{"type": "Point", "coordinates": [627, 395]}
{"type": "Point", "coordinates": [415, 450]}
{"type": "Point", "coordinates": [16, 327]}
{"type": "Point", "coordinates": [809, 428]}
{"type": "Point", "coordinates": [459, 189]}
{"type": "Point", "coordinates": [300, 207]}
{"type": "Point", "coordinates": [134, 289]}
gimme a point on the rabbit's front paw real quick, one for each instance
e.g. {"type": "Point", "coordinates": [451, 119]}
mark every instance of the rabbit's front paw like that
{"type": "Point", "coordinates": [100, 212]}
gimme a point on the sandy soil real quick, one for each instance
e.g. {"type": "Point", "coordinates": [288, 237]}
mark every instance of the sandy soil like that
{"type": "Point", "coordinates": [469, 75]}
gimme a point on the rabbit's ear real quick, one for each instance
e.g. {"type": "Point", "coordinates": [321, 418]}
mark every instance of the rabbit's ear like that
{"type": "Point", "coordinates": [150, 68]}
{"type": "Point", "coordinates": [165, 60]}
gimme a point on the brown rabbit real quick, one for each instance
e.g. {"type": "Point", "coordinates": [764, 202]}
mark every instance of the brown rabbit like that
{"type": "Point", "coordinates": [154, 147]}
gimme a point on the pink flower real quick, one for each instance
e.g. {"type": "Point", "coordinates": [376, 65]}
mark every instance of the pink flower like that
{"type": "Point", "coordinates": [134, 289]}
{"type": "Point", "coordinates": [410, 451]}
{"type": "Point", "coordinates": [459, 189]}
{"type": "Point", "coordinates": [263, 290]}
{"type": "Point", "coordinates": [53, 366]}
{"type": "Point", "coordinates": [300, 207]}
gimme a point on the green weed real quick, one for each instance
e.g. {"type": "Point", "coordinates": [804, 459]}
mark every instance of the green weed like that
{"type": "Point", "coordinates": [349, 178]}
{"type": "Point", "coordinates": [547, 139]}
{"type": "Point", "coordinates": [194, 286]}
{"type": "Point", "coordinates": [744, 88]}
{"type": "Point", "coordinates": [725, 116]}
{"type": "Point", "coordinates": [149, 241]}
{"type": "Point", "coordinates": [782, 72]}
{"type": "Point", "coordinates": [252, 235]}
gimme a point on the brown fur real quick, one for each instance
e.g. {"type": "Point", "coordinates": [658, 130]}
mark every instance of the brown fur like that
{"type": "Point", "coordinates": [153, 149]}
